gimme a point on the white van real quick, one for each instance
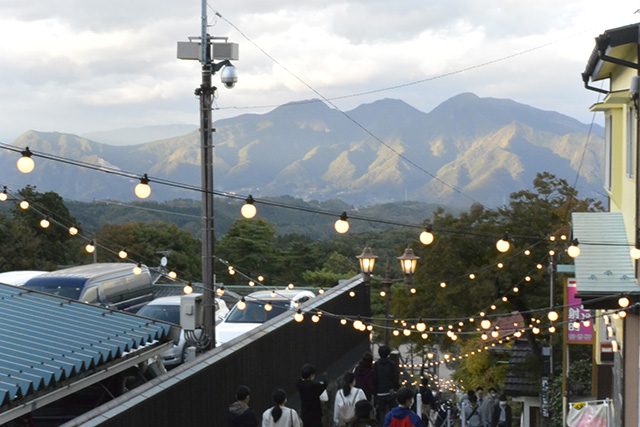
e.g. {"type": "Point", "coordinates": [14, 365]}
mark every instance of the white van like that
{"type": "Point", "coordinates": [112, 285]}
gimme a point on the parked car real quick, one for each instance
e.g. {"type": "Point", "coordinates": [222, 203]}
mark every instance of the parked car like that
{"type": "Point", "coordinates": [167, 309]}
{"type": "Point", "coordinates": [241, 320]}
{"type": "Point", "coordinates": [112, 285]}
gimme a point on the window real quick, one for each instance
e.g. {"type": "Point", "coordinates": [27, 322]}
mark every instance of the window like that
{"type": "Point", "coordinates": [631, 142]}
{"type": "Point", "coordinates": [608, 130]}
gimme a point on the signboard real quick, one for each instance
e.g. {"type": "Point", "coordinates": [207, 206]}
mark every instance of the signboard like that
{"type": "Point", "coordinates": [577, 332]}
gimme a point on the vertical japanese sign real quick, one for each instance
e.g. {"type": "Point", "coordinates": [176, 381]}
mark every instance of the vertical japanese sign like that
{"type": "Point", "coordinates": [577, 316]}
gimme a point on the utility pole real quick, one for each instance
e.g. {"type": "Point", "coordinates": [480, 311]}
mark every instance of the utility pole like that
{"type": "Point", "coordinates": [206, 51]}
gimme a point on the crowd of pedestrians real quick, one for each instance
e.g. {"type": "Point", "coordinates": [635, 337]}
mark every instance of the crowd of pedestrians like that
{"type": "Point", "coordinates": [478, 410]}
{"type": "Point", "coordinates": [368, 396]}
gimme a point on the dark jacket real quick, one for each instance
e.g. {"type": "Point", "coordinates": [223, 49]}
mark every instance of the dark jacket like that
{"type": "Point", "coordinates": [240, 415]}
{"type": "Point", "coordinates": [496, 416]}
{"type": "Point", "coordinates": [310, 407]}
{"type": "Point", "coordinates": [386, 376]}
{"type": "Point", "coordinates": [400, 413]}
{"type": "Point", "coordinates": [364, 378]}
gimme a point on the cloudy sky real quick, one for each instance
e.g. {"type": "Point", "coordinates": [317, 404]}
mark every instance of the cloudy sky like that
{"type": "Point", "coordinates": [84, 65]}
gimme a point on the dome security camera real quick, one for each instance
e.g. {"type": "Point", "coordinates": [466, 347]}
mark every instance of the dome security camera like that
{"type": "Point", "coordinates": [229, 76]}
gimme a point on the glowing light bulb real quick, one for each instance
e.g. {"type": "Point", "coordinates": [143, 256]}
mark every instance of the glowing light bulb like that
{"type": "Point", "coordinates": [623, 302]}
{"type": "Point", "coordinates": [242, 304]}
{"type": "Point", "coordinates": [44, 223]}
{"type": "Point", "coordinates": [90, 248]}
{"type": "Point", "coordinates": [24, 205]}
{"type": "Point", "coordinates": [268, 307]}
{"type": "Point", "coordinates": [635, 253]}
{"type": "Point", "coordinates": [315, 319]}
{"type": "Point", "coordinates": [187, 289]}
{"type": "Point", "coordinates": [73, 231]}
{"type": "Point", "coordinates": [299, 317]}
{"type": "Point", "coordinates": [426, 237]}
{"type": "Point", "coordinates": [220, 291]}
{"type": "Point", "coordinates": [172, 275]}
{"type": "Point", "coordinates": [443, 285]}
{"type": "Point", "coordinates": [503, 245]}
{"type": "Point", "coordinates": [485, 324]}
{"type": "Point", "coordinates": [342, 225]}
{"type": "Point", "coordinates": [553, 316]}
{"type": "Point", "coordinates": [25, 163]}
{"type": "Point", "coordinates": [142, 190]}
{"type": "Point", "coordinates": [137, 270]}
{"type": "Point", "coordinates": [123, 254]}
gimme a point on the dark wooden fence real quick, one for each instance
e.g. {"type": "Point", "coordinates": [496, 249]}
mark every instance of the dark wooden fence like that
{"type": "Point", "coordinates": [198, 393]}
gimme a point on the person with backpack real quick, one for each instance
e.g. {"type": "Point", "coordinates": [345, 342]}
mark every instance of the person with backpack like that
{"type": "Point", "coordinates": [346, 399]}
{"type": "Point", "coordinates": [402, 415]}
{"type": "Point", "coordinates": [386, 379]}
{"type": "Point", "coordinates": [364, 375]}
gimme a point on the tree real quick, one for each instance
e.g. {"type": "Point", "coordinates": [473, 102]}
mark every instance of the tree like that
{"type": "Point", "coordinates": [145, 243]}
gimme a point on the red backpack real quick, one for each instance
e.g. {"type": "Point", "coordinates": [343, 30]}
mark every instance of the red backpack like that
{"type": "Point", "coordinates": [405, 422]}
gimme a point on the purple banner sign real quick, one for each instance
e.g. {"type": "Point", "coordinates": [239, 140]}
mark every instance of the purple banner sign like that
{"type": "Point", "coordinates": [580, 321]}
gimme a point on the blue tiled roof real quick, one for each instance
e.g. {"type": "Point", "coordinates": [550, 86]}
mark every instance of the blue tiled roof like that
{"type": "Point", "coordinates": [45, 339]}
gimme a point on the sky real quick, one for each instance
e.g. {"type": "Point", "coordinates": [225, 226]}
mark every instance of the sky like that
{"type": "Point", "coordinates": [78, 66]}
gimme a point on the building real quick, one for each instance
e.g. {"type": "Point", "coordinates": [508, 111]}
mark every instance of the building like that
{"type": "Point", "coordinates": [605, 271]}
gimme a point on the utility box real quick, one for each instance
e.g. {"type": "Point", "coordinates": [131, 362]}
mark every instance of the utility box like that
{"type": "Point", "coordinates": [191, 312]}
{"type": "Point", "coordinates": [222, 50]}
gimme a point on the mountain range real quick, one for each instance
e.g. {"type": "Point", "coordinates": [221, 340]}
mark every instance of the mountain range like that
{"type": "Point", "coordinates": [468, 149]}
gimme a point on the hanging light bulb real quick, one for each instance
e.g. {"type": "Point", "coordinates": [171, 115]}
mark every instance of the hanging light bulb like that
{"type": "Point", "coordinates": [425, 336]}
{"type": "Point", "coordinates": [25, 163]}
{"type": "Point", "coordinates": [342, 225]}
{"type": "Point", "coordinates": [321, 291]}
{"type": "Point", "coordinates": [252, 283]}
{"type": "Point", "coordinates": [24, 205]}
{"type": "Point", "coordinates": [290, 286]}
{"type": "Point", "coordinates": [248, 210]}
{"type": "Point", "coordinates": [623, 302]}
{"type": "Point", "coordinates": [91, 247]}
{"type": "Point", "coordinates": [242, 304]}
{"type": "Point", "coordinates": [552, 329]}
{"type": "Point", "coordinates": [172, 275]}
{"type": "Point", "coordinates": [143, 190]}
{"type": "Point", "coordinates": [622, 314]}
{"type": "Point", "coordinates": [187, 289]}
{"type": "Point", "coordinates": [268, 307]}
{"type": "Point", "coordinates": [635, 251]}
{"type": "Point", "coordinates": [357, 324]}
{"type": "Point", "coordinates": [396, 332]}
{"type": "Point", "coordinates": [426, 237]}
{"type": "Point", "coordinates": [137, 270]}
{"type": "Point", "coordinates": [220, 292]}
{"type": "Point", "coordinates": [123, 254]}
{"type": "Point", "coordinates": [44, 223]}
{"type": "Point", "coordinates": [299, 317]}
{"type": "Point", "coordinates": [503, 244]}
{"type": "Point", "coordinates": [315, 319]}
{"type": "Point", "coordinates": [73, 230]}
{"type": "Point", "coordinates": [420, 326]}
{"type": "Point", "coordinates": [383, 294]}
{"type": "Point", "coordinates": [443, 285]}
{"type": "Point", "coordinates": [484, 337]}
{"type": "Point", "coordinates": [495, 334]}
{"type": "Point", "coordinates": [485, 324]}
{"type": "Point", "coordinates": [343, 321]}
{"type": "Point", "coordinates": [3, 195]}
{"type": "Point", "coordinates": [573, 251]}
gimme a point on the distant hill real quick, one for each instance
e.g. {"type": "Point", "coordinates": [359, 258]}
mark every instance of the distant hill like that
{"type": "Point", "coordinates": [186, 215]}
{"type": "Point", "coordinates": [139, 135]}
{"type": "Point", "coordinates": [467, 149]}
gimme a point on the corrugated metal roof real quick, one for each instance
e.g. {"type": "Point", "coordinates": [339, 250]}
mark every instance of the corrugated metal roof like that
{"type": "Point", "coordinates": [604, 266]}
{"type": "Point", "coordinates": [46, 339]}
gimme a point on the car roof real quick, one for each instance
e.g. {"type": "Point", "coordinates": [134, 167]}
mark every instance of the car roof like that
{"type": "Point", "coordinates": [281, 294]}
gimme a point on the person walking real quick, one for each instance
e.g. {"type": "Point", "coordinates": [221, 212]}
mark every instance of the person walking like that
{"type": "Point", "coordinates": [502, 415]}
{"type": "Point", "coordinates": [310, 391]}
{"type": "Point", "coordinates": [472, 413]}
{"type": "Point", "coordinates": [239, 414]}
{"type": "Point", "coordinates": [279, 415]}
{"type": "Point", "coordinates": [484, 407]}
{"type": "Point", "coordinates": [365, 415]}
{"type": "Point", "coordinates": [386, 378]}
{"type": "Point", "coordinates": [402, 413]}
{"type": "Point", "coordinates": [346, 398]}
{"type": "Point", "coordinates": [364, 375]}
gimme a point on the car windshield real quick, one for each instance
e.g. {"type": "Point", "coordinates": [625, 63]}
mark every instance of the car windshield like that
{"type": "Point", "coordinates": [164, 313]}
{"type": "Point", "coordinates": [255, 312]}
{"type": "Point", "coordinates": [70, 292]}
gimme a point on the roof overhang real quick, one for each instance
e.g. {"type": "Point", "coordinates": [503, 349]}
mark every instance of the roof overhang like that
{"type": "Point", "coordinates": [604, 269]}
{"type": "Point", "coordinates": [73, 385]}
{"type": "Point", "coordinates": [612, 49]}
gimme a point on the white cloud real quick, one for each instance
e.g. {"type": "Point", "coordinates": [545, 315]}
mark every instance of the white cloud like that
{"type": "Point", "coordinates": [81, 65]}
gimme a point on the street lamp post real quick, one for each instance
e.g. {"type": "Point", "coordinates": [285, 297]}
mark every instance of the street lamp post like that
{"type": "Point", "coordinates": [206, 51]}
{"type": "Point", "coordinates": [408, 261]}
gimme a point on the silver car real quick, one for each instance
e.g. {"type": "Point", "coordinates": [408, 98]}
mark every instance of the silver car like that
{"type": "Point", "coordinates": [167, 309]}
